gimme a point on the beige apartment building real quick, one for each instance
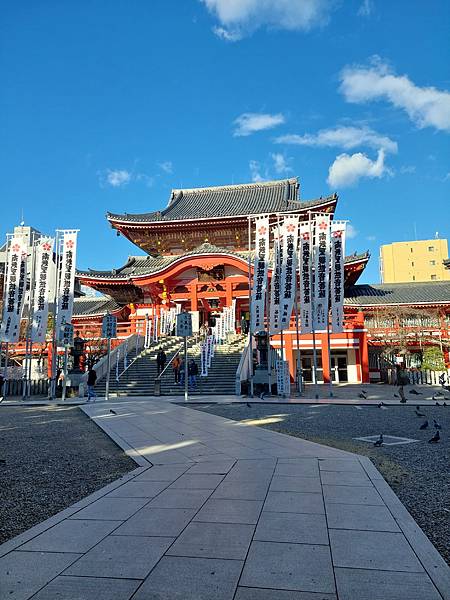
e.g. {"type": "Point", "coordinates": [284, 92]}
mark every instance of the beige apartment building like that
{"type": "Point", "coordinates": [422, 260]}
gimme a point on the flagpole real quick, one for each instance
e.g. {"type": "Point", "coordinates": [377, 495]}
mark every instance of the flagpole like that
{"type": "Point", "coordinates": [250, 350]}
{"type": "Point", "coordinates": [330, 383]}
{"type": "Point", "coordinates": [55, 302]}
{"type": "Point", "coordinates": [5, 376]}
{"type": "Point", "coordinates": [31, 312]}
{"type": "Point", "coordinates": [298, 364]}
{"type": "Point", "coordinates": [313, 291]}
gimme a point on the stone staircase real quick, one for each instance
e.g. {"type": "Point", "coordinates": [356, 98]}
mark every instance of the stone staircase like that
{"type": "Point", "coordinates": [139, 380]}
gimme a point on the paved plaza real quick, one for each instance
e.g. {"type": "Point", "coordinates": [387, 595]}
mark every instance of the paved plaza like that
{"type": "Point", "coordinates": [221, 510]}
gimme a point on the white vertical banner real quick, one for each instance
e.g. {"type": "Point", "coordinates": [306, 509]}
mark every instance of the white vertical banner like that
{"type": "Point", "coordinates": [155, 328]}
{"type": "Point", "coordinates": [209, 345]}
{"type": "Point", "coordinates": [321, 271]}
{"type": "Point", "coordinates": [337, 275]}
{"type": "Point", "coordinates": [261, 264]}
{"type": "Point", "coordinates": [306, 285]}
{"type": "Point", "coordinates": [275, 286]}
{"type": "Point", "coordinates": [44, 256]}
{"type": "Point", "coordinates": [203, 360]}
{"type": "Point", "coordinates": [14, 290]}
{"type": "Point", "coordinates": [289, 241]}
{"type": "Point", "coordinates": [66, 279]}
{"type": "Point", "coordinates": [233, 315]}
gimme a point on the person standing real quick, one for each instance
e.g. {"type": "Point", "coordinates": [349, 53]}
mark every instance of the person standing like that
{"type": "Point", "coordinates": [193, 373]}
{"type": "Point", "coordinates": [176, 368]}
{"type": "Point", "coordinates": [181, 372]}
{"type": "Point", "coordinates": [161, 359]}
{"type": "Point", "coordinates": [91, 380]}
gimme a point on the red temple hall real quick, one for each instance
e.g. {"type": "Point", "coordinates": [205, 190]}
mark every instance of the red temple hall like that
{"type": "Point", "coordinates": [197, 256]}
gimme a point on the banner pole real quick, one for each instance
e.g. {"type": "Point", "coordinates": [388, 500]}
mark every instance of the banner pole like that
{"type": "Point", "coordinates": [186, 372]}
{"type": "Point", "coordinates": [269, 350]}
{"type": "Point", "coordinates": [250, 349]}
{"type": "Point", "coordinates": [55, 302]}
{"type": "Point", "coordinates": [108, 373]}
{"type": "Point", "coordinates": [64, 389]}
{"type": "Point", "coordinates": [5, 372]}
{"type": "Point", "coordinates": [31, 311]}
{"type": "Point", "coordinates": [330, 384]}
{"type": "Point", "coordinates": [313, 291]}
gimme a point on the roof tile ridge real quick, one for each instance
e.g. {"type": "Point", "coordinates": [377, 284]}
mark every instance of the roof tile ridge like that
{"type": "Point", "coordinates": [235, 186]}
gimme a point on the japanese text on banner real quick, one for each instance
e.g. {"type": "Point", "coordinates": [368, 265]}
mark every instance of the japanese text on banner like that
{"type": "Point", "coordinates": [67, 279]}
{"type": "Point", "coordinates": [289, 240]}
{"type": "Point", "coordinates": [259, 288]}
{"type": "Point", "coordinates": [337, 276]}
{"type": "Point", "coordinates": [321, 271]}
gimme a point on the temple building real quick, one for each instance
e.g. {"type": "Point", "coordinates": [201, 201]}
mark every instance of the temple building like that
{"type": "Point", "coordinates": [197, 256]}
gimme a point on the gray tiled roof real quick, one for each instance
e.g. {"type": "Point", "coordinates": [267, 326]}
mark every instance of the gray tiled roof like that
{"type": "Point", "coordinates": [436, 292]}
{"type": "Point", "coordinates": [228, 200]}
{"type": "Point", "coordinates": [83, 307]}
{"type": "Point", "coordinates": [147, 265]}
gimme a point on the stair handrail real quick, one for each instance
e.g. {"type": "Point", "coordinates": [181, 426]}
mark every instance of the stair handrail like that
{"type": "Point", "coordinates": [242, 372]}
{"type": "Point", "coordinates": [169, 362]}
{"type": "Point", "coordinates": [101, 366]}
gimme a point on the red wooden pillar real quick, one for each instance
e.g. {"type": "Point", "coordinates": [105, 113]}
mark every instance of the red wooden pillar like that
{"type": "Point", "coordinates": [229, 293]}
{"type": "Point", "coordinates": [363, 351]}
{"type": "Point", "coordinates": [49, 359]}
{"type": "Point", "coordinates": [194, 300]}
{"type": "Point", "coordinates": [289, 354]}
{"type": "Point", "coordinates": [325, 358]}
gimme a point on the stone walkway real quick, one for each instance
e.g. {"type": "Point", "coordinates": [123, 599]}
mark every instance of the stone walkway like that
{"type": "Point", "coordinates": [227, 512]}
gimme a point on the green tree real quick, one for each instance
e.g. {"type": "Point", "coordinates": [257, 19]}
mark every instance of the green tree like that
{"type": "Point", "coordinates": [433, 359]}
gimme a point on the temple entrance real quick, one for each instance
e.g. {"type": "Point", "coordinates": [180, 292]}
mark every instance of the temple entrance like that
{"type": "Point", "coordinates": [339, 370]}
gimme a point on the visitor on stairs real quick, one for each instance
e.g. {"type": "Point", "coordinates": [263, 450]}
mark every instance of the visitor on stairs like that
{"type": "Point", "coordinates": [161, 359]}
{"type": "Point", "coordinates": [176, 368]}
{"type": "Point", "coordinates": [193, 373]}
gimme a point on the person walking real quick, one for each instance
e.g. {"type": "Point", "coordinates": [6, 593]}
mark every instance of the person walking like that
{"type": "Point", "coordinates": [402, 380]}
{"type": "Point", "coordinates": [176, 368]}
{"type": "Point", "coordinates": [91, 380]}
{"type": "Point", "coordinates": [181, 372]}
{"type": "Point", "coordinates": [161, 359]}
{"type": "Point", "coordinates": [193, 373]}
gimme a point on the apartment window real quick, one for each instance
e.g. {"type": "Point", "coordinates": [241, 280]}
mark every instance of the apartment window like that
{"type": "Point", "coordinates": [430, 248]}
{"type": "Point", "coordinates": [412, 263]}
{"type": "Point", "coordinates": [433, 277]}
{"type": "Point", "coordinates": [414, 277]}
{"type": "Point", "coordinates": [411, 249]}
{"type": "Point", "coordinates": [432, 263]}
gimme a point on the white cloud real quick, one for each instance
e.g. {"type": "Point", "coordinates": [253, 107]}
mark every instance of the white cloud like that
{"type": "Point", "coordinates": [255, 171]}
{"type": "Point", "coordinates": [347, 137]}
{"type": "Point", "coordinates": [351, 232]}
{"type": "Point", "coordinates": [407, 169]}
{"type": "Point", "coordinates": [249, 123]}
{"type": "Point", "coordinates": [371, 238]}
{"type": "Point", "coordinates": [239, 18]}
{"type": "Point", "coordinates": [425, 106]}
{"type": "Point", "coordinates": [117, 178]}
{"type": "Point", "coordinates": [166, 166]}
{"type": "Point", "coordinates": [348, 169]}
{"type": "Point", "coordinates": [280, 163]}
{"type": "Point", "coordinates": [227, 35]}
{"type": "Point", "coordinates": [366, 8]}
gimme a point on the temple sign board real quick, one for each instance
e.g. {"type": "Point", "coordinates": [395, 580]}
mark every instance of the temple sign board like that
{"type": "Point", "coordinates": [109, 327]}
{"type": "Point", "coordinates": [184, 324]}
{"type": "Point", "coordinates": [65, 335]}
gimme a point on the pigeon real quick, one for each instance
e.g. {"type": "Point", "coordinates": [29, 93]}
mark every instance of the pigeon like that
{"type": "Point", "coordinates": [361, 395]}
{"type": "Point", "coordinates": [113, 412]}
{"type": "Point", "coordinates": [418, 413]}
{"type": "Point", "coordinates": [262, 395]}
{"type": "Point", "coordinates": [415, 392]}
{"type": "Point", "coordinates": [436, 424]}
{"type": "Point", "coordinates": [435, 439]}
{"type": "Point", "coordinates": [379, 441]}
{"type": "Point", "coordinates": [248, 405]}
{"type": "Point", "coordinates": [424, 425]}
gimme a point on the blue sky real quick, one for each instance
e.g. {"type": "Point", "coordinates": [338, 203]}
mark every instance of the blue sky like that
{"type": "Point", "coordinates": [108, 104]}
